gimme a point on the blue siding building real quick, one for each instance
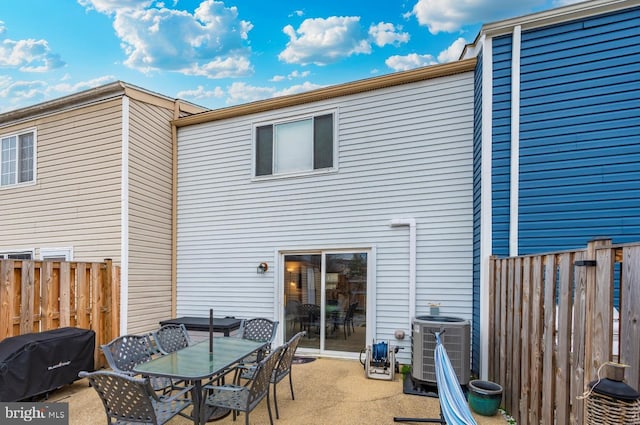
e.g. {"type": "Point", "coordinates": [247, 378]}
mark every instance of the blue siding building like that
{"type": "Point", "coordinates": [559, 119]}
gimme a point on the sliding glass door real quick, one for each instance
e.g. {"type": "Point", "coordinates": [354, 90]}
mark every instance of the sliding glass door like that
{"type": "Point", "coordinates": [325, 294]}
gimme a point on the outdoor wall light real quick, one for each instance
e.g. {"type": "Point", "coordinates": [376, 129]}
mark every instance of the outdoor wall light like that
{"type": "Point", "coordinates": [262, 268]}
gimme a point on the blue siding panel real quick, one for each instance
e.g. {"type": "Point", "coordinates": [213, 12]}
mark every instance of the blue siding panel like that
{"type": "Point", "coordinates": [580, 133]}
{"type": "Point", "coordinates": [477, 213]}
{"type": "Point", "coordinates": [501, 144]}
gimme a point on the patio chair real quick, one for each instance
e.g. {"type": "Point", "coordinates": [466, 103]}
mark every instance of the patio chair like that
{"type": "Point", "coordinates": [309, 317]}
{"type": "Point", "coordinates": [259, 329]}
{"type": "Point", "coordinates": [282, 369]}
{"type": "Point", "coordinates": [128, 399]}
{"type": "Point", "coordinates": [346, 320]}
{"type": "Point", "coordinates": [171, 337]}
{"type": "Point", "coordinates": [244, 398]}
{"type": "Point", "coordinates": [125, 352]}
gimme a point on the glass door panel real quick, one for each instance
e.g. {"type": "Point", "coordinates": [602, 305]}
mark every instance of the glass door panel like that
{"type": "Point", "coordinates": [302, 298]}
{"type": "Point", "coordinates": [345, 301]}
{"type": "Point", "coordinates": [331, 308]}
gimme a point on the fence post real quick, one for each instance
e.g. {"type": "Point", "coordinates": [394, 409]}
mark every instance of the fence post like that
{"type": "Point", "coordinates": [593, 324]}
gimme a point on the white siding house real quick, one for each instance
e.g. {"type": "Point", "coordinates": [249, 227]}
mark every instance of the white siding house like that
{"type": "Point", "coordinates": [402, 153]}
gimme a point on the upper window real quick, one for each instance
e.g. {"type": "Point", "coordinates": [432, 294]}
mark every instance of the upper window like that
{"type": "Point", "coordinates": [295, 146]}
{"type": "Point", "coordinates": [17, 158]}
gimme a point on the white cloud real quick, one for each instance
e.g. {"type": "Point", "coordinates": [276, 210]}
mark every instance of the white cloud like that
{"type": "Point", "coordinates": [66, 88]}
{"type": "Point", "coordinates": [210, 42]}
{"type": "Point", "coordinates": [298, 88]}
{"type": "Point", "coordinates": [292, 76]}
{"type": "Point", "coordinates": [323, 41]}
{"type": "Point", "coordinates": [201, 93]}
{"type": "Point", "coordinates": [449, 16]}
{"type": "Point", "coordinates": [244, 93]}
{"type": "Point", "coordinates": [28, 55]}
{"type": "Point", "coordinates": [297, 13]}
{"type": "Point", "coordinates": [112, 6]}
{"type": "Point", "coordinates": [17, 93]}
{"type": "Point", "coordinates": [413, 60]}
{"type": "Point", "coordinates": [385, 33]}
{"type": "Point", "coordinates": [452, 53]}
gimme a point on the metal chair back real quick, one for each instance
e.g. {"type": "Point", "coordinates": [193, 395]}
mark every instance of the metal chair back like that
{"type": "Point", "coordinates": [127, 399]}
{"type": "Point", "coordinates": [283, 368]}
{"type": "Point", "coordinates": [244, 398]}
{"type": "Point", "coordinates": [171, 337]}
{"type": "Point", "coordinates": [259, 329]}
{"type": "Point", "coordinates": [125, 352]}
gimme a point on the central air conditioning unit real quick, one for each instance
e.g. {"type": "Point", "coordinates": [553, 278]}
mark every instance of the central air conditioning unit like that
{"type": "Point", "coordinates": [456, 339]}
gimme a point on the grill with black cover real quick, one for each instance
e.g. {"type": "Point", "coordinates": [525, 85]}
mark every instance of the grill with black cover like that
{"type": "Point", "coordinates": [37, 363]}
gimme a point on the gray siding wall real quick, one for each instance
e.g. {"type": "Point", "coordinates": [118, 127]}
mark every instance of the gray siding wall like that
{"type": "Point", "coordinates": [150, 206]}
{"type": "Point", "coordinates": [404, 151]}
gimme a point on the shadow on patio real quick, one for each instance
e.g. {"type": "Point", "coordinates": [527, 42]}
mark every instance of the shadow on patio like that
{"type": "Point", "coordinates": [328, 391]}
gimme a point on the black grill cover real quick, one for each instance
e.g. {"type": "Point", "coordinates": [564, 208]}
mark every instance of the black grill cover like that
{"type": "Point", "coordinates": [36, 363]}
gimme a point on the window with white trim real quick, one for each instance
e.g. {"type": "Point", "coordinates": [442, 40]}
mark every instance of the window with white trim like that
{"type": "Point", "coordinates": [56, 254]}
{"type": "Point", "coordinates": [295, 146]}
{"type": "Point", "coordinates": [16, 255]}
{"type": "Point", "coordinates": [17, 158]}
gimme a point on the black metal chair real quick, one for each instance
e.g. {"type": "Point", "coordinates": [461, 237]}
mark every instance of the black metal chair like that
{"type": "Point", "coordinates": [128, 399]}
{"type": "Point", "coordinates": [284, 367]}
{"type": "Point", "coordinates": [309, 317]}
{"type": "Point", "coordinates": [244, 398]}
{"type": "Point", "coordinates": [171, 337]}
{"type": "Point", "coordinates": [258, 329]}
{"type": "Point", "coordinates": [127, 351]}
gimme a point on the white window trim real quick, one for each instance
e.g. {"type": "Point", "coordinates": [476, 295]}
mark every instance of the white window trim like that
{"type": "Point", "coordinates": [285, 118]}
{"type": "Point", "coordinates": [35, 157]}
{"type": "Point", "coordinates": [67, 253]}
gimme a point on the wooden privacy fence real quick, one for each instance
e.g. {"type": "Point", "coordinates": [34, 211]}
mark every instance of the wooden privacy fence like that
{"type": "Point", "coordinates": [37, 296]}
{"type": "Point", "coordinates": [552, 327]}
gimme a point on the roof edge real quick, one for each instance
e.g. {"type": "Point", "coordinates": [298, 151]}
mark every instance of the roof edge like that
{"type": "Point", "coordinates": [95, 95]}
{"type": "Point", "coordinates": [558, 15]}
{"type": "Point", "coordinates": [354, 87]}
{"type": "Point", "coordinates": [106, 91]}
{"type": "Point", "coordinates": [546, 18]}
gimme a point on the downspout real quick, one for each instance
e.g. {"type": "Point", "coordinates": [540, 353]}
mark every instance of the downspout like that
{"type": "Point", "coordinates": [411, 222]}
{"type": "Point", "coordinates": [174, 210]}
{"type": "Point", "coordinates": [124, 220]}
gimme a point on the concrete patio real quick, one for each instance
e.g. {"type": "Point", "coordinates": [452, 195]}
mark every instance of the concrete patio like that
{"type": "Point", "coordinates": [328, 391]}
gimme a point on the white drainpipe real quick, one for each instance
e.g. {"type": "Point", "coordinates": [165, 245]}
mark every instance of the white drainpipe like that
{"type": "Point", "coordinates": [411, 222]}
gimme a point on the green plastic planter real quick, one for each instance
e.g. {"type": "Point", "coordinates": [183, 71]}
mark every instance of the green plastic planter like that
{"type": "Point", "coordinates": [484, 397]}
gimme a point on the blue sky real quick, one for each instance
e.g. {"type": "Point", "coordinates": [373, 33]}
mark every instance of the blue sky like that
{"type": "Point", "coordinates": [222, 53]}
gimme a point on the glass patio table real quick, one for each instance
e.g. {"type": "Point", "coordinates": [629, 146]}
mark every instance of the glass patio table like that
{"type": "Point", "coordinates": [195, 364]}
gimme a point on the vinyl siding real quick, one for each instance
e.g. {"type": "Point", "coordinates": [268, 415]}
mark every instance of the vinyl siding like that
{"type": "Point", "coordinates": [580, 129]}
{"type": "Point", "coordinates": [76, 199]}
{"type": "Point", "coordinates": [501, 145]}
{"type": "Point", "coordinates": [150, 222]}
{"type": "Point", "coordinates": [477, 212]}
{"type": "Point", "coordinates": [404, 151]}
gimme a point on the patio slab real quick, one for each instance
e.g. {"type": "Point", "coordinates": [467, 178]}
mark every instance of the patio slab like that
{"type": "Point", "coordinates": [328, 391]}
